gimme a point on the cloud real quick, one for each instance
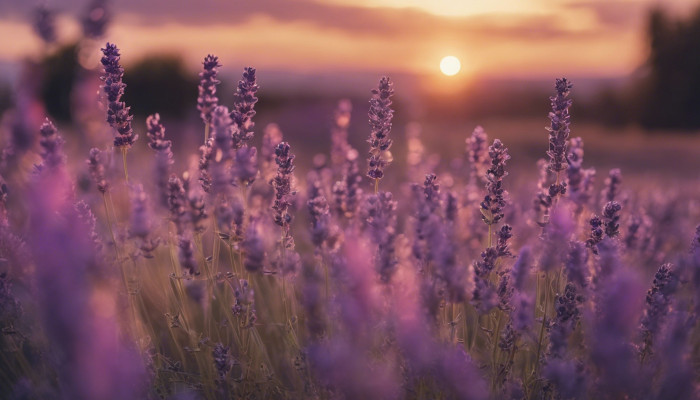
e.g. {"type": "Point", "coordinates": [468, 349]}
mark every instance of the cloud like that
{"type": "Point", "coordinates": [618, 15]}
{"type": "Point", "coordinates": [403, 23]}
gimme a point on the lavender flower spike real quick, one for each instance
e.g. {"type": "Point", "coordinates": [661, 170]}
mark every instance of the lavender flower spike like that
{"type": "Point", "coordinates": [245, 165]}
{"type": "Point", "coordinates": [477, 152]}
{"type": "Point", "coordinates": [186, 255]}
{"type": "Point", "coordinates": [164, 155]}
{"type": "Point", "coordinates": [339, 133]}
{"type": "Point", "coordinates": [45, 24]}
{"type": "Point", "coordinates": [559, 126]}
{"type": "Point", "coordinates": [141, 221]}
{"type": "Point", "coordinates": [282, 183]}
{"type": "Point", "coordinates": [494, 201]}
{"type": "Point", "coordinates": [611, 218]}
{"type": "Point", "coordinates": [243, 109]}
{"type": "Point", "coordinates": [96, 167]}
{"type": "Point", "coordinates": [96, 18]}
{"type": "Point", "coordinates": [612, 185]}
{"type": "Point", "coordinates": [118, 115]}
{"type": "Point", "coordinates": [207, 100]}
{"type": "Point", "coordinates": [380, 115]}
{"type": "Point", "coordinates": [52, 146]}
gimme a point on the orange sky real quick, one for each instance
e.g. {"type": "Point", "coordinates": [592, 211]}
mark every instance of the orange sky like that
{"type": "Point", "coordinates": [515, 38]}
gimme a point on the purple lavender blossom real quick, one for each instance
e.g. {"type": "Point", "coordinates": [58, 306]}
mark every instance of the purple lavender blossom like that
{"type": "Point", "coordinates": [380, 116]}
{"type": "Point", "coordinates": [427, 222]}
{"type": "Point", "coordinates": [177, 204]}
{"type": "Point", "coordinates": [556, 237]}
{"type": "Point", "coordinates": [568, 312]}
{"type": "Point", "coordinates": [141, 221]}
{"type": "Point", "coordinates": [88, 219]}
{"type": "Point", "coordinates": [52, 146]}
{"type": "Point", "coordinates": [95, 19]}
{"type": "Point", "coordinates": [319, 212]}
{"type": "Point", "coordinates": [230, 215]}
{"type": "Point", "coordinates": [245, 165]}
{"type": "Point", "coordinates": [185, 255]}
{"type": "Point", "coordinates": [347, 192]}
{"type": "Point", "coordinates": [608, 260]}
{"type": "Point", "coordinates": [216, 154]}
{"type": "Point", "coordinates": [559, 126]}
{"type": "Point", "coordinates": [477, 153]}
{"type": "Point", "coordinates": [164, 155]}
{"type": "Point", "coordinates": [118, 115]}
{"type": "Point", "coordinates": [197, 205]}
{"type": "Point", "coordinates": [339, 133]}
{"type": "Point", "coordinates": [579, 180]}
{"type": "Point", "coordinates": [282, 183]}
{"type": "Point", "coordinates": [489, 256]}
{"type": "Point", "coordinates": [658, 305]}
{"type": "Point", "coordinates": [96, 167]}
{"type": "Point", "coordinates": [611, 191]}
{"type": "Point", "coordinates": [574, 170]}
{"type": "Point", "coordinates": [611, 218]}
{"type": "Point", "coordinates": [380, 212]}
{"type": "Point", "coordinates": [205, 157]}
{"type": "Point", "coordinates": [244, 108]}
{"type": "Point", "coordinates": [451, 272]}
{"type": "Point", "coordinates": [596, 235]}
{"type": "Point", "coordinates": [245, 304]}
{"type": "Point", "coordinates": [45, 24]}
{"type": "Point", "coordinates": [484, 296]}
{"type": "Point", "coordinates": [222, 360]}
{"type": "Point", "coordinates": [505, 292]}
{"type": "Point", "coordinates": [207, 100]}
{"type": "Point", "coordinates": [494, 201]}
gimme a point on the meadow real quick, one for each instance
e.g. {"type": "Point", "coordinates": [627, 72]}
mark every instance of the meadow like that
{"type": "Point", "coordinates": [409, 263]}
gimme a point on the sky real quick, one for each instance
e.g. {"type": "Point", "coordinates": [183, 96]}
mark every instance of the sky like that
{"type": "Point", "coordinates": [495, 38]}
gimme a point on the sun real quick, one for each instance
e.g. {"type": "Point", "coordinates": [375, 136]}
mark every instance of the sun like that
{"type": "Point", "coordinates": [450, 65]}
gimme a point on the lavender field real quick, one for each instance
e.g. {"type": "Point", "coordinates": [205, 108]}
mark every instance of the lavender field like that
{"type": "Point", "coordinates": [408, 263]}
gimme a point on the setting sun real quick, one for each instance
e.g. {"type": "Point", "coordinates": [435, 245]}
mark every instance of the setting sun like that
{"type": "Point", "coordinates": [450, 65]}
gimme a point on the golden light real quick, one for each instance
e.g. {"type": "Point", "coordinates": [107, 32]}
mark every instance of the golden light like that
{"type": "Point", "coordinates": [450, 65]}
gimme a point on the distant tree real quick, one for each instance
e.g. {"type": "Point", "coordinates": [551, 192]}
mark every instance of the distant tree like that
{"type": "Point", "coordinates": [160, 84]}
{"type": "Point", "coordinates": [671, 91]}
{"type": "Point", "coordinates": [59, 71]}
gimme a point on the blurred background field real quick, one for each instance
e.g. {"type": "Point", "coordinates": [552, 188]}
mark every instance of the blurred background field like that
{"type": "Point", "coordinates": [633, 63]}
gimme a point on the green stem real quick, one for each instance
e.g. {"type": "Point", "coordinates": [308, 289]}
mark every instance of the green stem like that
{"type": "Point", "coordinates": [126, 172]}
{"type": "Point", "coordinates": [109, 225]}
{"type": "Point", "coordinates": [496, 338]}
{"type": "Point", "coordinates": [544, 321]}
{"type": "Point", "coordinates": [488, 245]}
